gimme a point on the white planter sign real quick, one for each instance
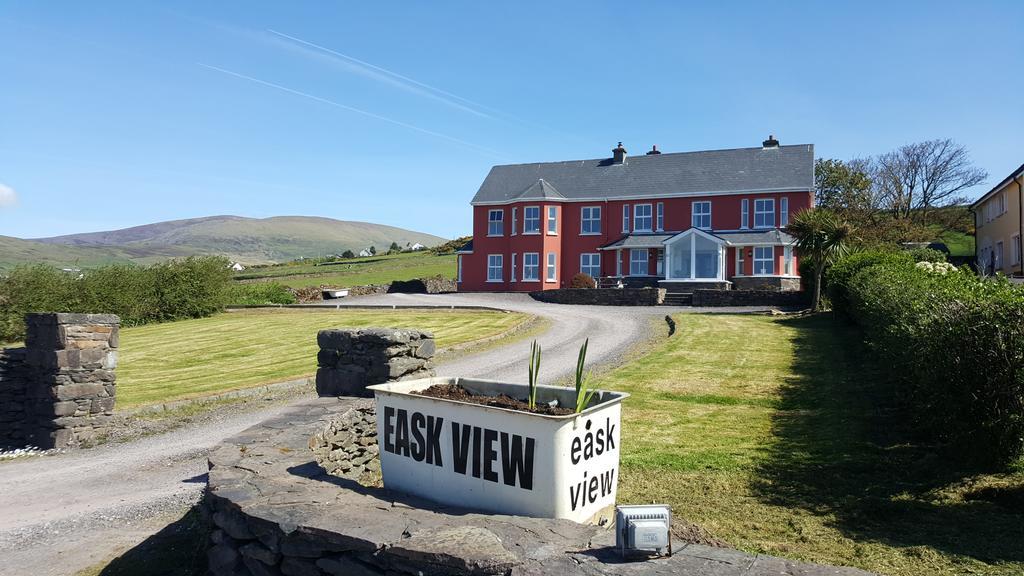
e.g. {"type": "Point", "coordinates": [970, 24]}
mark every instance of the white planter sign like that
{"type": "Point", "coordinates": [497, 459]}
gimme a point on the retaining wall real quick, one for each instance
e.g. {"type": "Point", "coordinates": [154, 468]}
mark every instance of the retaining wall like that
{"type": "Point", "coordinates": [352, 359]}
{"type": "Point", "coordinates": [602, 296]}
{"type": "Point", "coordinates": [713, 298]}
{"type": "Point", "coordinates": [59, 390]}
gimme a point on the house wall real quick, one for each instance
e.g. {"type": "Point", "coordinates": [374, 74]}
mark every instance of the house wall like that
{"type": "Point", "coordinates": [994, 227]}
{"type": "Point", "coordinates": [569, 243]}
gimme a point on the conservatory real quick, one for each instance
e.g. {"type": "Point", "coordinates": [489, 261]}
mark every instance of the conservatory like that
{"type": "Point", "coordinates": [695, 256]}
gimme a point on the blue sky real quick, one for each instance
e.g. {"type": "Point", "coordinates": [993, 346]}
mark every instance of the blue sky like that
{"type": "Point", "coordinates": [115, 114]}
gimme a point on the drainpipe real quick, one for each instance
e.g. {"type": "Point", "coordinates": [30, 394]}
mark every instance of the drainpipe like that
{"type": "Point", "coordinates": [1020, 221]}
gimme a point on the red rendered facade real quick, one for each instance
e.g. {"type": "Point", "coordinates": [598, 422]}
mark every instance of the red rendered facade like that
{"type": "Point", "coordinates": [567, 243]}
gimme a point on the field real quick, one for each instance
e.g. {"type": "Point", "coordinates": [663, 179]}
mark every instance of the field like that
{"type": "Point", "coordinates": [772, 435]}
{"type": "Point", "coordinates": [959, 243]}
{"type": "Point", "coordinates": [193, 358]}
{"type": "Point", "coordinates": [356, 272]}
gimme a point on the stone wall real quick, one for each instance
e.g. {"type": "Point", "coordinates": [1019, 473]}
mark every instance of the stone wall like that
{"type": "Point", "coordinates": [61, 386]}
{"type": "Point", "coordinates": [431, 285]}
{"type": "Point", "coordinates": [352, 359]}
{"type": "Point", "coordinates": [713, 298]}
{"type": "Point", "coordinates": [602, 296]}
{"type": "Point", "coordinates": [765, 283]}
{"type": "Point", "coordinates": [347, 446]}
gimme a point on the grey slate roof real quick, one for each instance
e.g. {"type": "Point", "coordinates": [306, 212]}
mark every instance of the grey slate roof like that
{"type": "Point", "coordinates": [786, 168]}
{"type": "Point", "coordinates": [638, 241]}
{"type": "Point", "coordinates": [774, 236]}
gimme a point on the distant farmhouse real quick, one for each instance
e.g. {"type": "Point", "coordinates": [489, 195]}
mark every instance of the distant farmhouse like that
{"type": "Point", "coordinates": [365, 252]}
{"type": "Point", "coordinates": [237, 267]}
{"type": "Point", "coordinates": [711, 219]}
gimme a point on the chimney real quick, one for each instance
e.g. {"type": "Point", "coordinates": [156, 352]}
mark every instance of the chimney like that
{"type": "Point", "coordinates": [618, 154]}
{"type": "Point", "coordinates": [771, 142]}
{"type": "Point", "coordinates": [654, 150]}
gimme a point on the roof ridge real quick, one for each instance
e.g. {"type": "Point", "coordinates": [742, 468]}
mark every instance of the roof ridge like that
{"type": "Point", "coordinates": [662, 155]}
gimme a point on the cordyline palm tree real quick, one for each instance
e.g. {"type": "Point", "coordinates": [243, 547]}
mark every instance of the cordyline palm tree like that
{"type": "Point", "coordinates": [822, 237]}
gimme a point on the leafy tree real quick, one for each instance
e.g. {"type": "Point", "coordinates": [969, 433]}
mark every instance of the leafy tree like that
{"type": "Point", "coordinates": [395, 247]}
{"type": "Point", "coordinates": [348, 254]}
{"type": "Point", "coordinates": [842, 185]}
{"type": "Point", "coordinates": [822, 236]}
{"type": "Point", "coordinates": [373, 250]}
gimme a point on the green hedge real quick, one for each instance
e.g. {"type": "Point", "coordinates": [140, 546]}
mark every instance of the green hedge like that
{"type": "Point", "coordinates": [952, 342]}
{"type": "Point", "coordinates": [260, 293]}
{"type": "Point", "coordinates": [189, 288]}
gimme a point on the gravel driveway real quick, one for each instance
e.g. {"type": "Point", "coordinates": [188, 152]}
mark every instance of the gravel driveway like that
{"type": "Point", "coordinates": [60, 514]}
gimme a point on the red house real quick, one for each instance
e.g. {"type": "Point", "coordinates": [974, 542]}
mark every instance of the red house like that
{"type": "Point", "coordinates": [680, 221]}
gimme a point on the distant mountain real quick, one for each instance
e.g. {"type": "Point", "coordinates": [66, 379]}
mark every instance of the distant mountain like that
{"type": "Point", "coordinates": [246, 240]}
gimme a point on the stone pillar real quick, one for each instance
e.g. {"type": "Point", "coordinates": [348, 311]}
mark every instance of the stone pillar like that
{"type": "Point", "coordinates": [70, 390]}
{"type": "Point", "coordinates": [13, 425]}
{"type": "Point", "coordinates": [352, 359]}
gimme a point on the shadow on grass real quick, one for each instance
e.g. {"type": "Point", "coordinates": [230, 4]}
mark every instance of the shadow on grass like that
{"type": "Point", "coordinates": [843, 451]}
{"type": "Point", "coordinates": [179, 549]}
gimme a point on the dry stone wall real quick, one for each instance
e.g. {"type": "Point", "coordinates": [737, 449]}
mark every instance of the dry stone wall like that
{"type": "Point", "coordinates": [59, 390]}
{"type": "Point", "coordinates": [352, 359]}
{"type": "Point", "coordinates": [602, 296]}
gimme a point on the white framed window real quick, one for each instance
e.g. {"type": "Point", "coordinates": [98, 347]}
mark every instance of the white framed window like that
{"type": "Point", "coordinates": [515, 220]}
{"type": "Point", "coordinates": [660, 264]}
{"type": "Point", "coordinates": [531, 267]}
{"type": "Point", "coordinates": [458, 277]}
{"type": "Point", "coordinates": [783, 212]}
{"type": "Point", "coordinates": [590, 220]}
{"type": "Point", "coordinates": [740, 251]}
{"type": "Point", "coordinates": [552, 220]}
{"type": "Point", "coordinates": [764, 213]}
{"type": "Point", "coordinates": [638, 262]}
{"type": "Point", "coordinates": [552, 267]}
{"type": "Point", "coordinates": [744, 213]}
{"type": "Point", "coordinates": [1015, 249]}
{"type": "Point", "coordinates": [625, 217]}
{"type": "Point", "coordinates": [997, 263]}
{"type": "Point", "coordinates": [787, 260]}
{"type": "Point", "coordinates": [642, 218]}
{"type": "Point", "coordinates": [495, 273]}
{"type": "Point", "coordinates": [763, 257]}
{"type": "Point", "coordinates": [531, 220]}
{"type": "Point", "coordinates": [660, 224]}
{"type": "Point", "coordinates": [590, 264]}
{"type": "Point", "coordinates": [1002, 203]}
{"type": "Point", "coordinates": [512, 277]}
{"type": "Point", "coordinates": [701, 215]}
{"type": "Point", "coordinates": [495, 222]}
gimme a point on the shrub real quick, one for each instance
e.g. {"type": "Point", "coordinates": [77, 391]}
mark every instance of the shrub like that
{"type": "Point", "coordinates": [954, 345]}
{"type": "Point", "coordinates": [188, 288]}
{"type": "Point", "coordinates": [582, 280]}
{"type": "Point", "coordinates": [839, 275]}
{"type": "Point", "coordinates": [926, 255]}
{"type": "Point", "coordinates": [260, 293]}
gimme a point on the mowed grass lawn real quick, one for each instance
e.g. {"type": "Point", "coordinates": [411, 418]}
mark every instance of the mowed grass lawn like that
{"type": "Point", "coordinates": [233, 350]}
{"type": "Point", "coordinates": [773, 434]}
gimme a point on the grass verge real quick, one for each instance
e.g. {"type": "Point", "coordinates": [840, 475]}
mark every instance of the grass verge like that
{"type": "Point", "coordinates": [234, 350]}
{"type": "Point", "coordinates": [772, 434]}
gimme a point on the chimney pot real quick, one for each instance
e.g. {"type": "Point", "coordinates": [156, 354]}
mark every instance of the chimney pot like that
{"type": "Point", "coordinates": [618, 154]}
{"type": "Point", "coordinates": [771, 142]}
{"type": "Point", "coordinates": [654, 150]}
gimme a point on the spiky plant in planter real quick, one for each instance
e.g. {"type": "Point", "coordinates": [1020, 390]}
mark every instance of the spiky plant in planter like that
{"type": "Point", "coordinates": [584, 392]}
{"type": "Point", "coordinates": [534, 370]}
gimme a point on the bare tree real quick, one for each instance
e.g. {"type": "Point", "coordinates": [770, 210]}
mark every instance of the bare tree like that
{"type": "Point", "coordinates": [915, 178]}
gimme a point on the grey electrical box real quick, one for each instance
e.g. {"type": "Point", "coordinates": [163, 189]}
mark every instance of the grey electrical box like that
{"type": "Point", "coordinates": [643, 528]}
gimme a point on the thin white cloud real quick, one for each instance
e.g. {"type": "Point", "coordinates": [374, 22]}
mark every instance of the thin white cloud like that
{"type": "Point", "coordinates": [8, 197]}
{"type": "Point", "coordinates": [393, 78]}
{"type": "Point", "coordinates": [356, 110]}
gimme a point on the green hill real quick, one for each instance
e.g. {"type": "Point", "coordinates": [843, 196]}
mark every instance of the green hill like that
{"type": "Point", "coordinates": [246, 240]}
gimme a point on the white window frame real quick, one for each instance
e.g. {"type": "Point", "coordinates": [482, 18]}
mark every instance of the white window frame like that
{"type": "Point", "coordinates": [552, 220]}
{"type": "Point", "coordinates": [500, 222]}
{"type": "Point", "coordinates": [787, 260]}
{"type": "Point", "coordinates": [552, 268]}
{"type": "Point", "coordinates": [535, 267]}
{"type": "Point", "coordinates": [496, 262]}
{"type": "Point", "coordinates": [696, 219]}
{"type": "Point", "coordinates": [515, 220]}
{"type": "Point", "coordinates": [770, 260]}
{"type": "Point", "coordinates": [740, 260]}
{"type": "Point", "coordinates": [512, 277]}
{"type": "Point", "coordinates": [646, 261]}
{"type": "Point", "coordinates": [458, 277]}
{"type": "Point", "coordinates": [997, 264]}
{"type": "Point", "coordinates": [660, 224]}
{"type": "Point", "coordinates": [764, 213]}
{"type": "Point", "coordinates": [590, 261]}
{"type": "Point", "coordinates": [1015, 250]}
{"type": "Point", "coordinates": [744, 214]}
{"type": "Point", "coordinates": [526, 219]}
{"type": "Point", "coordinates": [783, 212]}
{"type": "Point", "coordinates": [594, 218]}
{"type": "Point", "coordinates": [625, 218]}
{"type": "Point", "coordinates": [638, 218]}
